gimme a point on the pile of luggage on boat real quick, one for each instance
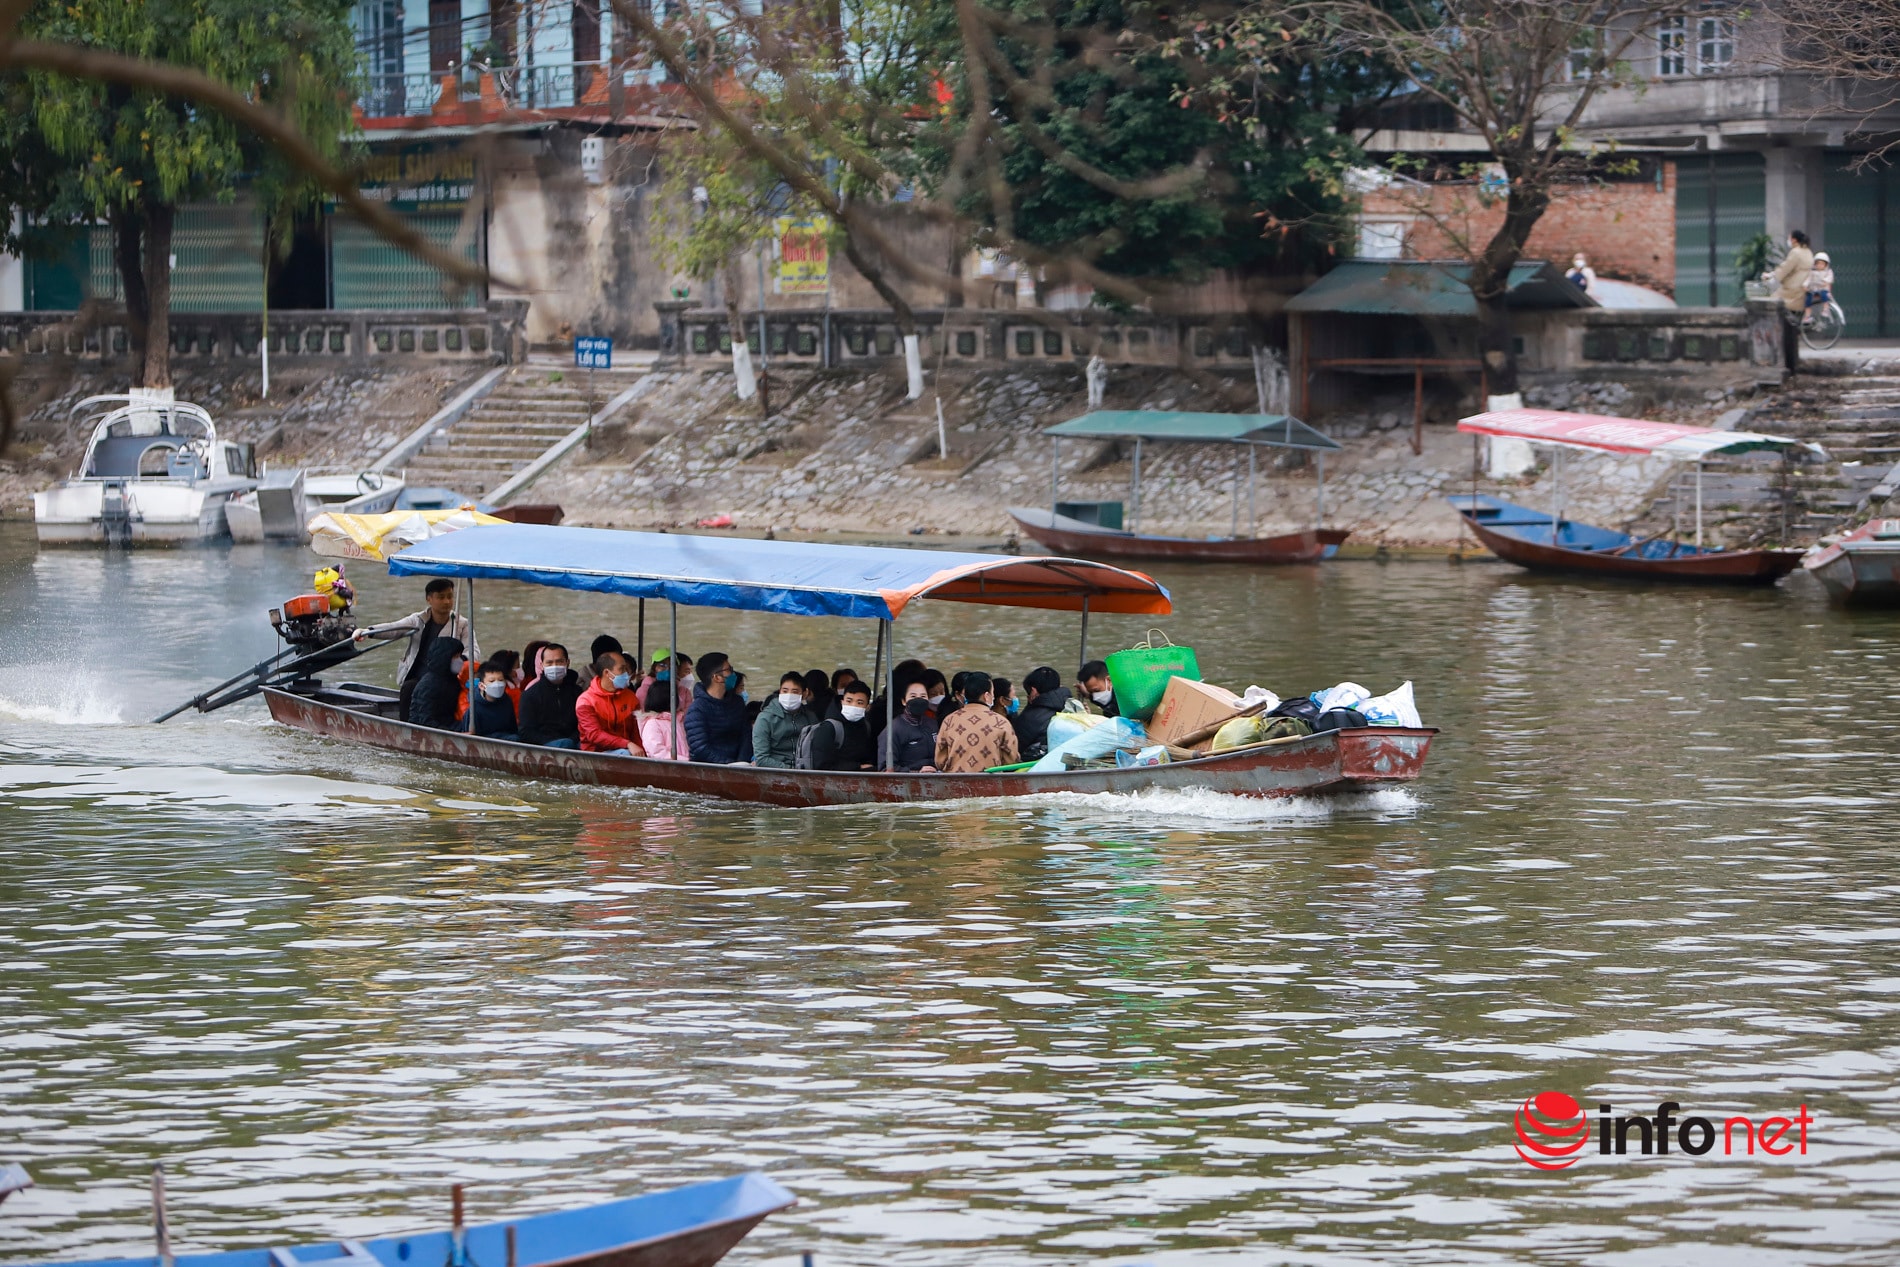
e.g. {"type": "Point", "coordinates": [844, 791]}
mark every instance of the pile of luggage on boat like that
{"type": "Point", "coordinates": [1168, 713]}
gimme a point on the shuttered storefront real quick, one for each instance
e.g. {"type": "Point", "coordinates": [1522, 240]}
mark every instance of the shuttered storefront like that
{"type": "Point", "coordinates": [1721, 202]}
{"type": "Point", "coordinates": [219, 253]}
{"type": "Point", "coordinates": [1862, 237]}
{"type": "Point", "coordinates": [368, 272]}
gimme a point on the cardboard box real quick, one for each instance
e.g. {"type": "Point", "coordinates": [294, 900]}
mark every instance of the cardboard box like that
{"type": "Point", "coordinates": [1188, 706]}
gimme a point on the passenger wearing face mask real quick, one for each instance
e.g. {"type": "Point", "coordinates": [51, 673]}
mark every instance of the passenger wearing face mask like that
{"type": "Point", "coordinates": [842, 741]}
{"type": "Point", "coordinates": [665, 666]}
{"type": "Point", "coordinates": [1047, 695]}
{"type": "Point", "coordinates": [1096, 693]}
{"type": "Point", "coordinates": [547, 703]}
{"type": "Point", "coordinates": [608, 713]}
{"type": "Point", "coordinates": [910, 741]}
{"type": "Point", "coordinates": [493, 714]}
{"type": "Point", "coordinates": [438, 684]}
{"type": "Point", "coordinates": [716, 729]}
{"type": "Point", "coordinates": [974, 738]}
{"type": "Point", "coordinates": [784, 717]}
{"type": "Point", "coordinates": [936, 692]}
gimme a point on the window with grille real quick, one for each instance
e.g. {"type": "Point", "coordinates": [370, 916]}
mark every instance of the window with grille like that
{"type": "Point", "coordinates": [1672, 46]}
{"type": "Point", "coordinates": [1714, 43]}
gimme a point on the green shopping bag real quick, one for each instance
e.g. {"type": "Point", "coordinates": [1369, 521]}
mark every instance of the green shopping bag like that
{"type": "Point", "coordinates": [1140, 674]}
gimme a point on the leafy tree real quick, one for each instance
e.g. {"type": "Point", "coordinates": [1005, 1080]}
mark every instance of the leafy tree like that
{"type": "Point", "coordinates": [1136, 146]}
{"type": "Point", "coordinates": [130, 154]}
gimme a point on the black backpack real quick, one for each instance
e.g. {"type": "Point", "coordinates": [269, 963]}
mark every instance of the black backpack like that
{"type": "Point", "coordinates": [1339, 719]}
{"type": "Point", "coordinates": [1300, 708]}
{"type": "Point", "coordinates": [804, 760]}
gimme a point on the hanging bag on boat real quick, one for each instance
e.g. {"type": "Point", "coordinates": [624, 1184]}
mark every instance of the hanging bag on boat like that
{"type": "Point", "coordinates": [1140, 674]}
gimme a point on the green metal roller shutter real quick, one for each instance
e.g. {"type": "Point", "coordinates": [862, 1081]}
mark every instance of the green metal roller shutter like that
{"type": "Point", "coordinates": [370, 273]}
{"type": "Point", "coordinates": [1721, 202]}
{"type": "Point", "coordinates": [1862, 236]}
{"type": "Point", "coordinates": [218, 250]}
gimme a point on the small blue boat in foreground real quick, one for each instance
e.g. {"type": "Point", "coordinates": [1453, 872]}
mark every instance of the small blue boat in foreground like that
{"type": "Point", "coordinates": [692, 1226]}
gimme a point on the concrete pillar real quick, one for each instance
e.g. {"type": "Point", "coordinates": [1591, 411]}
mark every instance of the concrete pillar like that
{"type": "Point", "coordinates": [1794, 182]}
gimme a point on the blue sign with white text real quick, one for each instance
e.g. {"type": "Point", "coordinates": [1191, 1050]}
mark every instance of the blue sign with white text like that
{"type": "Point", "coordinates": [593, 354]}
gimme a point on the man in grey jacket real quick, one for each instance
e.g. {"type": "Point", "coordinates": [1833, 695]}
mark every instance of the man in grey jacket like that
{"type": "Point", "coordinates": [422, 628]}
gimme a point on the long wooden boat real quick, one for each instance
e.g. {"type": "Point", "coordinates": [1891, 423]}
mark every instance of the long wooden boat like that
{"type": "Point", "coordinates": [693, 1226]}
{"type": "Point", "coordinates": [1324, 764]}
{"type": "Point", "coordinates": [1862, 569]}
{"type": "Point", "coordinates": [1073, 536]}
{"type": "Point", "coordinates": [1526, 537]}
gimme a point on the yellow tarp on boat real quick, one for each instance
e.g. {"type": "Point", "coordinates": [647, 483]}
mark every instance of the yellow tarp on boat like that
{"type": "Point", "coordinates": [339, 536]}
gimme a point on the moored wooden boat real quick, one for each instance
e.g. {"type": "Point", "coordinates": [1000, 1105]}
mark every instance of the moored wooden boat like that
{"type": "Point", "coordinates": [1073, 536]}
{"type": "Point", "coordinates": [1862, 569]}
{"type": "Point", "coordinates": [1324, 764]}
{"type": "Point", "coordinates": [1526, 537]}
{"type": "Point", "coordinates": [692, 1226]}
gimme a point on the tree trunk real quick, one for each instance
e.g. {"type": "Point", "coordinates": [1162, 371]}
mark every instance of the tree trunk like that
{"type": "Point", "coordinates": [900, 309]}
{"type": "Point", "coordinates": [127, 228]}
{"type": "Point", "coordinates": [158, 292]}
{"type": "Point", "coordinates": [743, 379]}
{"type": "Point", "coordinates": [1524, 206]}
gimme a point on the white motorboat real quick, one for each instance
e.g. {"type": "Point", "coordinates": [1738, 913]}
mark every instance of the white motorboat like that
{"type": "Point", "coordinates": [281, 508]}
{"type": "Point", "coordinates": [155, 473]}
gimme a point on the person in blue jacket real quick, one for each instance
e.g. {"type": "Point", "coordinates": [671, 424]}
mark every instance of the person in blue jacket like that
{"type": "Point", "coordinates": [717, 729]}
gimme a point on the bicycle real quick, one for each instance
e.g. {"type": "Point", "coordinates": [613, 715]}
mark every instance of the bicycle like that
{"type": "Point", "coordinates": [1823, 325]}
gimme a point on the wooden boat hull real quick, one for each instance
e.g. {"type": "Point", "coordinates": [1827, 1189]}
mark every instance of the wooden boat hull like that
{"type": "Point", "coordinates": [1325, 764]}
{"type": "Point", "coordinates": [1862, 569]}
{"type": "Point", "coordinates": [1730, 567]}
{"type": "Point", "coordinates": [692, 1226]}
{"type": "Point", "coordinates": [1307, 546]}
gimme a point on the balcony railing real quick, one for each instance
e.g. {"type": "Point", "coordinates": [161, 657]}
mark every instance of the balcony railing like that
{"type": "Point", "coordinates": [518, 86]}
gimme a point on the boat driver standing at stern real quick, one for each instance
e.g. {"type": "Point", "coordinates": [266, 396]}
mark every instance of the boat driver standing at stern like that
{"type": "Point", "coordinates": [422, 628]}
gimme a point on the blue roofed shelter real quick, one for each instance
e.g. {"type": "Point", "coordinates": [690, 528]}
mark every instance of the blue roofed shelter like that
{"type": "Point", "coordinates": [1403, 318]}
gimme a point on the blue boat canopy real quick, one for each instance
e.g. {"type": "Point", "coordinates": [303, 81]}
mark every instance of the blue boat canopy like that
{"type": "Point", "coordinates": [791, 577]}
{"type": "Point", "coordinates": [1280, 431]}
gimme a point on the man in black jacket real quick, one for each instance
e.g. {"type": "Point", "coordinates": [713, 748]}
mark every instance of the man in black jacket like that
{"type": "Point", "coordinates": [438, 688]}
{"type": "Point", "coordinates": [857, 750]}
{"type": "Point", "coordinates": [1047, 695]}
{"type": "Point", "coordinates": [547, 703]}
{"type": "Point", "coordinates": [717, 729]}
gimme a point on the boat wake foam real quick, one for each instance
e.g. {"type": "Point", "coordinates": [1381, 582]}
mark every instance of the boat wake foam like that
{"type": "Point", "coordinates": [71, 707]}
{"type": "Point", "coordinates": [1224, 807]}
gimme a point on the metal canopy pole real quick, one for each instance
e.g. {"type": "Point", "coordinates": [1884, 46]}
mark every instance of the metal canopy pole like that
{"type": "Point", "coordinates": [1557, 494]}
{"type": "Point", "coordinates": [1082, 656]}
{"type": "Point", "coordinates": [672, 651]}
{"type": "Point", "coordinates": [1055, 478]}
{"type": "Point", "coordinates": [877, 658]}
{"type": "Point", "coordinates": [1253, 516]}
{"type": "Point", "coordinates": [1319, 514]}
{"type": "Point", "coordinates": [468, 658]}
{"type": "Point", "coordinates": [890, 698]}
{"type": "Point", "coordinates": [1698, 504]}
{"type": "Point", "coordinates": [1233, 528]}
{"type": "Point", "coordinates": [641, 643]}
{"type": "Point", "coordinates": [1136, 525]}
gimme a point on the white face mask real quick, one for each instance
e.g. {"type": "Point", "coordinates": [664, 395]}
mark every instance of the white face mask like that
{"type": "Point", "coordinates": [1102, 697]}
{"type": "Point", "coordinates": [554, 672]}
{"type": "Point", "coordinates": [457, 664]}
{"type": "Point", "coordinates": [936, 701]}
{"type": "Point", "coordinates": [852, 712]}
{"type": "Point", "coordinates": [493, 690]}
{"type": "Point", "coordinates": [790, 701]}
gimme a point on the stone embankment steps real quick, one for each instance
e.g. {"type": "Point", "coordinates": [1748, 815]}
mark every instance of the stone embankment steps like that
{"type": "Point", "coordinates": [527, 412]}
{"type": "Point", "coordinates": [1759, 501]}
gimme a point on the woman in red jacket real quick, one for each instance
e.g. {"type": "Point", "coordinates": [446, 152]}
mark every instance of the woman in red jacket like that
{"type": "Point", "coordinates": [608, 711]}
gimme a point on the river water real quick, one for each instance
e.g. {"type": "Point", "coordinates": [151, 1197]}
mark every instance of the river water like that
{"type": "Point", "coordinates": [1653, 858]}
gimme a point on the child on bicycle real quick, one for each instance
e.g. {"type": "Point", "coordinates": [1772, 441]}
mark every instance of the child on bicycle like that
{"type": "Point", "coordinates": [1820, 285]}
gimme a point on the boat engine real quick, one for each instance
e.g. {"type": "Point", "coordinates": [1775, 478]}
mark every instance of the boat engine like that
{"type": "Point", "coordinates": [308, 624]}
